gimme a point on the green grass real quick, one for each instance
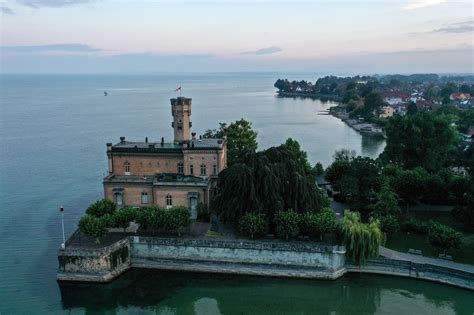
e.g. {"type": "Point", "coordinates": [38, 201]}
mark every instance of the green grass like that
{"type": "Point", "coordinates": [402, 241]}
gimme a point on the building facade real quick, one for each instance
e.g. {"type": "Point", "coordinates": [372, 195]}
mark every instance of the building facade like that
{"type": "Point", "coordinates": [179, 173]}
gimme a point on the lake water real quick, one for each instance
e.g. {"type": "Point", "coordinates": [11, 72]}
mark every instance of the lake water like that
{"type": "Point", "coordinates": [53, 131]}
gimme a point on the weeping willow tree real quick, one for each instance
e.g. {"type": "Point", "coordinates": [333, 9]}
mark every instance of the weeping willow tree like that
{"type": "Point", "coordinates": [267, 182]}
{"type": "Point", "coordinates": [362, 240]}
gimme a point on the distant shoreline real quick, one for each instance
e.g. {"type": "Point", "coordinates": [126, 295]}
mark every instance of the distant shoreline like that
{"type": "Point", "coordinates": [323, 97]}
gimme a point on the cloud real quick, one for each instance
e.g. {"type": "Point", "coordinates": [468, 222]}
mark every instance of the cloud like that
{"type": "Point", "coordinates": [455, 28]}
{"type": "Point", "coordinates": [49, 48]}
{"type": "Point", "coordinates": [5, 10]}
{"type": "Point", "coordinates": [420, 4]}
{"type": "Point", "coordinates": [51, 3]}
{"type": "Point", "coordinates": [263, 51]}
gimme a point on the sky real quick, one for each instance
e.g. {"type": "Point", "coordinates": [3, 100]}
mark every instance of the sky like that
{"type": "Point", "coordinates": [164, 36]}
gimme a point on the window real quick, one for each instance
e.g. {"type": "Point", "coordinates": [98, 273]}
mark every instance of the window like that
{"type": "Point", "coordinates": [169, 200]}
{"type": "Point", "coordinates": [191, 169]}
{"type": "Point", "coordinates": [118, 199]}
{"type": "Point", "coordinates": [144, 197]}
{"type": "Point", "coordinates": [203, 169]}
{"type": "Point", "coordinates": [214, 169]}
{"type": "Point", "coordinates": [127, 168]}
{"type": "Point", "coordinates": [180, 168]}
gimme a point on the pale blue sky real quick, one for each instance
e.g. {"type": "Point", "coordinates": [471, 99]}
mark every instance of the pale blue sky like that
{"type": "Point", "coordinates": [80, 36]}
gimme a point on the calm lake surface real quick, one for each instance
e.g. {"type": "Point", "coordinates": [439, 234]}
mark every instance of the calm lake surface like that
{"type": "Point", "coordinates": [53, 131]}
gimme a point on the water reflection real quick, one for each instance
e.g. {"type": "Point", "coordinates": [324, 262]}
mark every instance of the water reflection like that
{"type": "Point", "coordinates": [154, 292]}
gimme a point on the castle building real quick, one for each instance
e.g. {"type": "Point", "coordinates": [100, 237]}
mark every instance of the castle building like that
{"type": "Point", "coordinates": [181, 173]}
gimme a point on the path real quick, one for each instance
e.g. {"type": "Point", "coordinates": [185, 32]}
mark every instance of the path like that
{"type": "Point", "coordinates": [392, 254]}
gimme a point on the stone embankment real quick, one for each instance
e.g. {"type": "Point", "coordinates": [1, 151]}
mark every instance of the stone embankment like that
{"type": "Point", "coordinates": [362, 127]}
{"type": "Point", "coordinates": [262, 258]}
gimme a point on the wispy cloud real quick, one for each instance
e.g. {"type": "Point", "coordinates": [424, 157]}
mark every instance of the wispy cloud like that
{"type": "Point", "coordinates": [420, 4]}
{"type": "Point", "coordinates": [50, 48]}
{"type": "Point", "coordinates": [6, 10]}
{"type": "Point", "coordinates": [455, 28]}
{"type": "Point", "coordinates": [263, 51]}
{"type": "Point", "coordinates": [51, 3]}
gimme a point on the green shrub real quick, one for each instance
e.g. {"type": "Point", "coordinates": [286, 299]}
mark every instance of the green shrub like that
{"type": "Point", "coordinates": [287, 224]}
{"type": "Point", "coordinates": [318, 223]}
{"type": "Point", "coordinates": [415, 226]}
{"type": "Point", "coordinates": [101, 208]}
{"type": "Point", "coordinates": [176, 218]}
{"type": "Point", "coordinates": [203, 212]}
{"type": "Point", "coordinates": [388, 222]}
{"type": "Point", "coordinates": [123, 217]}
{"type": "Point", "coordinates": [253, 225]}
{"type": "Point", "coordinates": [443, 236]}
{"type": "Point", "coordinates": [94, 226]}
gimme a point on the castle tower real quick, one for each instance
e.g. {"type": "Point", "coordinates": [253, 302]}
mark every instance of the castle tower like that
{"type": "Point", "coordinates": [181, 111]}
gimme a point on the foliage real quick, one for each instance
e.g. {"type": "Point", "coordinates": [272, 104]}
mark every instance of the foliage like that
{"type": "Point", "coordinates": [464, 210]}
{"type": "Point", "coordinates": [318, 223]}
{"type": "Point", "coordinates": [123, 217]}
{"type": "Point", "coordinates": [101, 208]}
{"type": "Point", "coordinates": [253, 225]}
{"type": "Point", "coordinates": [301, 155]}
{"type": "Point", "coordinates": [318, 169]}
{"type": "Point", "coordinates": [287, 224]}
{"type": "Point", "coordinates": [267, 182]}
{"type": "Point", "coordinates": [443, 236]}
{"type": "Point", "coordinates": [356, 179]}
{"type": "Point", "coordinates": [388, 222]}
{"type": "Point", "coordinates": [424, 140]}
{"type": "Point", "coordinates": [176, 218]}
{"type": "Point", "coordinates": [415, 226]}
{"type": "Point", "coordinates": [362, 240]}
{"type": "Point", "coordinates": [387, 201]}
{"type": "Point", "coordinates": [94, 226]}
{"type": "Point", "coordinates": [240, 138]}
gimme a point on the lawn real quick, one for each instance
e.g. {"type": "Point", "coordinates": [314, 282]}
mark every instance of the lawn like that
{"type": "Point", "coordinates": [402, 241]}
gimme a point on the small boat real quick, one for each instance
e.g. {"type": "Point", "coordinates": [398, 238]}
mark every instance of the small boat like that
{"type": "Point", "coordinates": [105, 93]}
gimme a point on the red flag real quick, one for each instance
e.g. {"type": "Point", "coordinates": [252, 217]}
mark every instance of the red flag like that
{"type": "Point", "coordinates": [178, 89]}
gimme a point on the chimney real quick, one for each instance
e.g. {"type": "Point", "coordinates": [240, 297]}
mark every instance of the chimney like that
{"type": "Point", "coordinates": [122, 139]}
{"type": "Point", "coordinates": [200, 137]}
{"type": "Point", "coordinates": [193, 134]}
{"type": "Point", "coordinates": [146, 139]}
{"type": "Point", "coordinates": [162, 141]}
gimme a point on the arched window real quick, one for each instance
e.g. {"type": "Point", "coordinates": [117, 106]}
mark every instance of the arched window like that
{"type": "Point", "coordinates": [203, 169]}
{"type": "Point", "coordinates": [119, 199]}
{"type": "Point", "coordinates": [144, 197]}
{"type": "Point", "coordinates": [180, 168]}
{"type": "Point", "coordinates": [191, 169]}
{"type": "Point", "coordinates": [169, 200]}
{"type": "Point", "coordinates": [127, 168]}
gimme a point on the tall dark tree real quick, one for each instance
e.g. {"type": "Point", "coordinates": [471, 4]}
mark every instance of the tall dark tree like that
{"type": "Point", "coordinates": [240, 138]}
{"type": "Point", "coordinates": [423, 139]}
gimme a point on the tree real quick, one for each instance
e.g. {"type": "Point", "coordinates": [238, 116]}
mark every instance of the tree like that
{"type": "Point", "coordinates": [408, 184]}
{"type": "Point", "coordinates": [101, 208]}
{"type": "Point", "coordinates": [240, 138]}
{"type": "Point", "coordinates": [301, 155]}
{"type": "Point", "coordinates": [387, 201]}
{"type": "Point", "coordinates": [318, 169]}
{"type": "Point", "coordinates": [176, 218]}
{"type": "Point", "coordinates": [464, 88]}
{"type": "Point", "coordinates": [287, 224]}
{"type": "Point", "coordinates": [423, 139]}
{"type": "Point", "coordinates": [94, 226]}
{"type": "Point", "coordinates": [411, 109]}
{"type": "Point", "coordinates": [344, 154]}
{"type": "Point", "coordinates": [253, 225]}
{"type": "Point", "coordinates": [443, 236]}
{"type": "Point", "coordinates": [318, 223]}
{"type": "Point", "coordinates": [362, 240]}
{"type": "Point", "coordinates": [123, 217]}
{"type": "Point", "coordinates": [266, 182]}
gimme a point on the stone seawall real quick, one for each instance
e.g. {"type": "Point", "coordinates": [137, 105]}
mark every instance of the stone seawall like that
{"type": "Point", "coordinates": [262, 258]}
{"type": "Point", "coordinates": [403, 268]}
{"type": "Point", "coordinates": [92, 264]}
{"type": "Point", "coordinates": [304, 260]}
